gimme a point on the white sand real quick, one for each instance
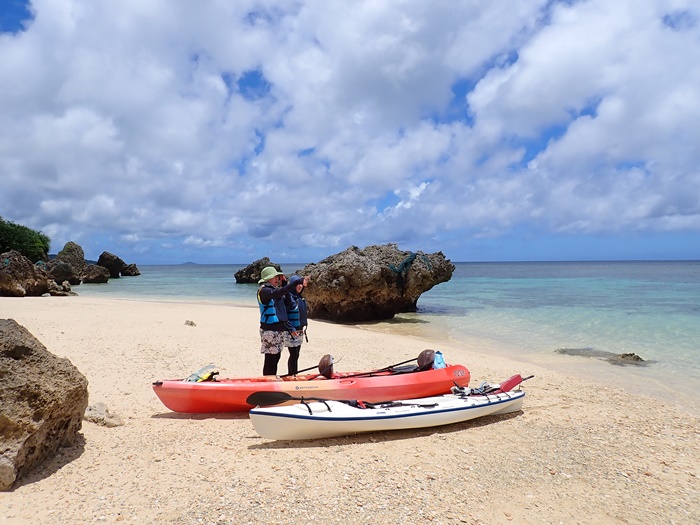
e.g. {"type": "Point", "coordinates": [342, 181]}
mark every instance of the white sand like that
{"type": "Point", "coordinates": [577, 453]}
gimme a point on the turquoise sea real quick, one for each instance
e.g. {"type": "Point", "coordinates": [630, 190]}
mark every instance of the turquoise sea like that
{"type": "Point", "coordinates": [525, 311]}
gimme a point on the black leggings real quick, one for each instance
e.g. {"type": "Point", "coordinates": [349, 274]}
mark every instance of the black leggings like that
{"type": "Point", "coordinates": [293, 362]}
{"type": "Point", "coordinates": [272, 360]}
{"type": "Point", "coordinates": [270, 365]}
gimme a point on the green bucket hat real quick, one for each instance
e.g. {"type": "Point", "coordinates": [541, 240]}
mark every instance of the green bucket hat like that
{"type": "Point", "coordinates": [268, 273]}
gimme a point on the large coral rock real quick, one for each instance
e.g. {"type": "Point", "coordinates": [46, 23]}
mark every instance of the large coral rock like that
{"type": "Point", "coordinates": [43, 401]}
{"type": "Point", "coordinates": [130, 270]}
{"type": "Point", "coordinates": [62, 271]}
{"type": "Point", "coordinates": [19, 277]}
{"type": "Point", "coordinates": [68, 264]}
{"type": "Point", "coordinates": [116, 266]}
{"type": "Point", "coordinates": [251, 273]}
{"type": "Point", "coordinates": [94, 274]}
{"type": "Point", "coordinates": [372, 284]}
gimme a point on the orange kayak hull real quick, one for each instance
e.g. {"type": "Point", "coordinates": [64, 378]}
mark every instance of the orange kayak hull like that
{"type": "Point", "coordinates": [229, 395]}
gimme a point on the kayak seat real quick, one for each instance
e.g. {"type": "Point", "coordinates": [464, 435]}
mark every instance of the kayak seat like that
{"type": "Point", "coordinates": [405, 369]}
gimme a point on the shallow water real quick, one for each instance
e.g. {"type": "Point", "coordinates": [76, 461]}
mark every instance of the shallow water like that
{"type": "Point", "coordinates": [525, 311]}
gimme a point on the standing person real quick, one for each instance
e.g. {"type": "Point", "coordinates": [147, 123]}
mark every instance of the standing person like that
{"type": "Point", "coordinates": [274, 322]}
{"type": "Point", "coordinates": [297, 314]}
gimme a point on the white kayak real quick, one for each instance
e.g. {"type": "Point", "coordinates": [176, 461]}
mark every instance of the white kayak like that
{"type": "Point", "coordinates": [324, 419]}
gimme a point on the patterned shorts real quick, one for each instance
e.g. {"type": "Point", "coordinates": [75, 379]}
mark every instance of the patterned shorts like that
{"type": "Point", "coordinates": [272, 342]}
{"type": "Point", "coordinates": [290, 340]}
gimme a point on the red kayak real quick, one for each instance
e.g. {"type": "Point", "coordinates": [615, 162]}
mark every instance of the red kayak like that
{"type": "Point", "coordinates": [194, 395]}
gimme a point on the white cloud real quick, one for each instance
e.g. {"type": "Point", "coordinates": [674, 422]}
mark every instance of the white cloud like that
{"type": "Point", "coordinates": [266, 127]}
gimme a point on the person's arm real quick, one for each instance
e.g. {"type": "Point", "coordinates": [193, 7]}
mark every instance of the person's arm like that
{"type": "Point", "coordinates": [269, 292]}
{"type": "Point", "coordinates": [290, 301]}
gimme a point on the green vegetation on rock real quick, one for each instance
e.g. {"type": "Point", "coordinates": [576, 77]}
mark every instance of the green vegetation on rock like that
{"type": "Point", "coordinates": [32, 244]}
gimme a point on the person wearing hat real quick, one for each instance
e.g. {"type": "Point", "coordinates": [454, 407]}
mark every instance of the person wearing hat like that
{"type": "Point", "coordinates": [274, 321]}
{"type": "Point", "coordinates": [297, 315]}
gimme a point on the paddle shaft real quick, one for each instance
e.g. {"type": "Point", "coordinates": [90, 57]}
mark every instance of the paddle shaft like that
{"type": "Point", "coordinates": [275, 398]}
{"type": "Point", "coordinates": [300, 371]}
{"type": "Point", "coordinates": [385, 369]}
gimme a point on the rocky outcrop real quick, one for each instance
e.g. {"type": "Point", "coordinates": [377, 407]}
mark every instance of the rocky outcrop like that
{"type": "Point", "coordinates": [94, 274]}
{"type": "Point", "coordinates": [372, 284]}
{"type": "Point", "coordinates": [116, 266]}
{"type": "Point", "coordinates": [251, 273]}
{"type": "Point", "coordinates": [68, 264]}
{"type": "Point", "coordinates": [19, 277]}
{"type": "Point", "coordinates": [60, 290]}
{"type": "Point", "coordinates": [62, 271]}
{"type": "Point", "coordinates": [604, 355]}
{"type": "Point", "coordinates": [130, 270]}
{"type": "Point", "coordinates": [43, 401]}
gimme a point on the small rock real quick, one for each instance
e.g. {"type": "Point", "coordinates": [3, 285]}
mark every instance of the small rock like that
{"type": "Point", "coordinates": [101, 415]}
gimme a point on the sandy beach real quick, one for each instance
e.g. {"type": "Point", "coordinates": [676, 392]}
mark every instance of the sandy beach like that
{"type": "Point", "coordinates": [578, 453]}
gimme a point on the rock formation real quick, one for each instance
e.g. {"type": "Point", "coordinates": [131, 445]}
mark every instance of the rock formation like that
{"type": "Point", "coordinates": [63, 271]}
{"type": "Point", "coordinates": [130, 270]}
{"type": "Point", "coordinates": [60, 290]}
{"type": "Point", "coordinates": [19, 277]}
{"type": "Point", "coordinates": [251, 273]}
{"type": "Point", "coordinates": [43, 401]}
{"type": "Point", "coordinates": [604, 355]}
{"type": "Point", "coordinates": [372, 284]}
{"type": "Point", "coordinates": [68, 264]}
{"type": "Point", "coordinates": [94, 274]}
{"type": "Point", "coordinates": [117, 266]}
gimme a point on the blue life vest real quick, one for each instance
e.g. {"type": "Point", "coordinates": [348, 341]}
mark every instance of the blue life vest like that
{"type": "Point", "coordinates": [273, 312]}
{"type": "Point", "coordinates": [296, 304]}
{"type": "Point", "coordinates": [298, 313]}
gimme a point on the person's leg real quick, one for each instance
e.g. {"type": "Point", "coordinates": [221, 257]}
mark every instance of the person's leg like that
{"type": "Point", "coordinates": [293, 362]}
{"type": "Point", "coordinates": [270, 365]}
{"type": "Point", "coordinates": [271, 347]}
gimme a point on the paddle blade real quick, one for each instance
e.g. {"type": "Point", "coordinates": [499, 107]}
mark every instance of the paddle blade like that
{"type": "Point", "coordinates": [426, 359]}
{"type": "Point", "coordinates": [510, 383]}
{"type": "Point", "coordinates": [268, 398]}
{"type": "Point", "coordinates": [325, 366]}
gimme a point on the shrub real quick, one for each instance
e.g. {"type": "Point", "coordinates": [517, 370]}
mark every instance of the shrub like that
{"type": "Point", "coordinates": [32, 244]}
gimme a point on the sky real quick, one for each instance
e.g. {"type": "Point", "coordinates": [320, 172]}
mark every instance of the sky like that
{"type": "Point", "coordinates": [174, 131]}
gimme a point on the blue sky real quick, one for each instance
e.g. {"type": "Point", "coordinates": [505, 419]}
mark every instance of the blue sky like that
{"type": "Point", "coordinates": [221, 132]}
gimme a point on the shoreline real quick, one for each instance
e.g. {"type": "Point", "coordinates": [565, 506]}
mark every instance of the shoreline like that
{"type": "Point", "coordinates": [578, 452]}
{"type": "Point", "coordinates": [635, 380]}
{"type": "Point", "coordinates": [669, 385]}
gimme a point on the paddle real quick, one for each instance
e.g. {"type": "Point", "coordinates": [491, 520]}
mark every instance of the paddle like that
{"type": "Point", "coordinates": [506, 386]}
{"type": "Point", "coordinates": [510, 383]}
{"type": "Point", "coordinates": [275, 398]}
{"type": "Point", "coordinates": [328, 365]}
{"type": "Point", "coordinates": [326, 362]}
{"type": "Point", "coordinates": [300, 371]}
{"type": "Point", "coordinates": [385, 369]}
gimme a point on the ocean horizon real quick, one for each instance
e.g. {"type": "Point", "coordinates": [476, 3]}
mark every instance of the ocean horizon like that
{"type": "Point", "coordinates": [527, 311]}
